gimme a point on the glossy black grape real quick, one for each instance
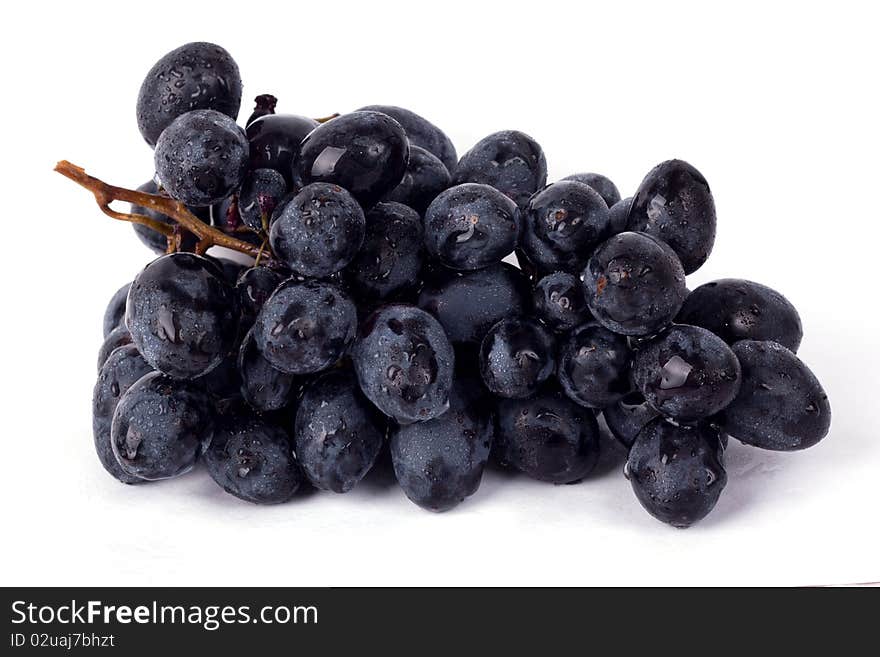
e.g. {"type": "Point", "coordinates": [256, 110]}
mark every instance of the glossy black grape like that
{"type": "Point", "coordinates": [563, 224]}
{"type": "Point", "coordinates": [201, 158]}
{"type": "Point", "coordinates": [510, 161]}
{"type": "Point", "coordinates": [195, 76]}
{"type": "Point", "coordinates": [517, 355]}
{"type": "Point", "coordinates": [305, 327]}
{"type": "Point", "coordinates": [251, 458]}
{"type": "Point", "coordinates": [392, 252]}
{"type": "Point", "coordinates": [559, 301]}
{"type": "Point", "coordinates": [318, 231]}
{"type": "Point", "coordinates": [674, 204]}
{"type": "Point", "coordinates": [548, 437]}
{"type": "Point", "coordinates": [469, 304]}
{"type": "Point", "coordinates": [781, 405]}
{"type": "Point", "coordinates": [157, 242]}
{"type": "Point", "coordinates": [735, 309]}
{"type": "Point", "coordinates": [634, 285]}
{"type": "Point", "coordinates": [336, 437]}
{"type": "Point", "coordinates": [421, 133]}
{"type": "Point", "coordinates": [471, 226]}
{"type": "Point", "coordinates": [618, 216]}
{"type": "Point", "coordinates": [628, 417]}
{"type": "Point", "coordinates": [116, 338]}
{"type": "Point", "coordinates": [404, 363]}
{"type": "Point", "coordinates": [363, 152]}
{"type": "Point", "coordinates": [440, 462]}
{"type": "Point", "coordinates": [275, 140]}
{"type": "Point", "coordinates": [425, 178]}
{"type": "Point", "coordinates": [594, 366]}
{"type": "Point", "coordinates": [261, 192]}
{"type": "Point", "coordinates": [677, 472]}
{"type": "Point", "coordinates": [607, 189]}
{"type": "Point", "coordinates": [264, 105]}
{"type": "Point", "coordinates": [253, 287]}
{"type": "Point", "coordinates": [686, 373]}
{"type": "Point", "coordinates": [114, 315]}
{"type": "Point", "coordinates": [160, 427]}
{"type": "Point", "coordinates": [263, 387]}
{"type": "Point", "coordinates": [123, 367]}
{"type": "Point", "coordinates": [182, 314]}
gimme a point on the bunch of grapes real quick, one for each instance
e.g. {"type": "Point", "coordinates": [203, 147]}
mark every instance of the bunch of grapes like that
{"type": "Point", "coordinates": [379, 319]}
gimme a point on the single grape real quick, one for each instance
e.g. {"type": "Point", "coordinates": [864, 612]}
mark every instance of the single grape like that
{"type": "Point", "coordinates": [115, 314]}
{"type": "Point", "coordinates": [123, 367]}
{"type": "Point", "coordinates": [618, 216]}
{"type": "Point", "coordinates": [305, 327]}
{"type": "Point", "coordinates": [392, 252]}
{"type": "Point", "coordinates": [318, 231]}
{"type": "Point", "coordinates": [263, 387]}
{"type": "Point", "coordinates": [363, 152]}
{"type": "Point", "coordinates": [253, 287]}
{"type": "Point", "coordinates": [510, 161]}
{"type": "Point", "coordinates": [201, 158]}
{"type": "Point", "coordinates": [594, 366]}
{"type": "Point", "coordinates": [223, 383]}
{"type": "Point", "coordinates": [676, 471]}
{"type": "Point", "coordinates": [425, 178]}
{"type": "Point", "coordinates": [404, 363]}
{"type": "Point", "coordinates": [275, 140]}
{"type": "Point", "coordinates": [261, 192]}
{"type": "Point", "coordinates": [517, 355]}
{"type": "Point", "coordinates": [634, 284]}
{"type": "Point", "coordinates": [781, 404]}
{"type": "Point", "coordinates": [182, 315]}
{"type": "Point", "coordinates": [735, 309]}
{"type": "Point", "coordinates": [469, 304]}
{"type": "Point", "coordinates": [628, 417]}
{"type": "Point", "coordinates": [607, 189]}
{"type": "Point", "coordinates": [559, 301]}
{"type": "Point", "coordinates": [160, 427]}
{"type": "Point", "coordinates": [116, 338]}
{"type": "Point", "coordinates": [336, 437]}
{"type": "Point", "coordinates": [674, 204]}
{"type": "Point", "coordinates": [548, 437]}
{"type": "Point", "coordinates": [471, 226]}
{"type": "Point", "coordinates": [196, 76]}
{"type": "Point", "coordinates": [421, 133]}
{"type": "Point", "coordinates": [440, 462]}
{"type": "Point", "coordinates": [563, 224]}
{"type": "Point", "coordinates": [686, 373]}
{"type": "Point", "coordinates": [251, 458]}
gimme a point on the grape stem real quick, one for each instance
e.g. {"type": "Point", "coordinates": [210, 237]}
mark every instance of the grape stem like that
{"type": "Point", "coordinates": [208, 236]}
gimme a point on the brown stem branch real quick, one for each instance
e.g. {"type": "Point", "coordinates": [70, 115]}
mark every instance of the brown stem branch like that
{"type": "Point", "coordinates": [208, 236]}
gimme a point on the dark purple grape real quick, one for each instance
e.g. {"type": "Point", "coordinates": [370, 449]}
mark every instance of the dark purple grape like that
{"type": "Point", "coordinates": [425, 178]}
{"type": "Point", "coordinates": [516, 357]}
{"type": "Point", "coordinates": [559, 301]}
{"type": "Point", "coordinates": [563, 224]}
{"type": "Point", "coordinates": [594, 366]}
{"type": "Point", "coordinates": [196, 76]}
{"type": "Point", "coordinates": [261, 192]}
{"type": "Point", "coordinates": [404, 363]}
{"type": "Point", "coordinates": [421, 133]}
{"type": "Point", "coordinates": [677, 471]}
{"type": "Point", "coordinates": [275, 140]}
{"type": "Point", "coordinates": [114, 315]}
{"type": "Point", "coordinates": [781, 404]}
{"type": "Point", "coordinates": [366, 153]}
{"type": "Point", "coordinates": [262, 386]}
{"type": "Point", "coordinates": [674, 204]}
{"type": "Point", "coordinates": [607, 189]}
{"type": "Point", "coordinates": [305, 327]}
{"type": "Point", "coordinates": [686, 373]}
{"type": "Point", "coordinates": [735, 309]}
{"type": "Point", "coordinates": [628, 417]}
{"type": "Point", "coordinates": [510, 161]}
{"type": "Point", "coordinates": [634, 284]}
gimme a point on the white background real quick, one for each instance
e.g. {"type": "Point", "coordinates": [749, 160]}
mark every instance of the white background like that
{"type": "Point", "coordinates": [777, 105]}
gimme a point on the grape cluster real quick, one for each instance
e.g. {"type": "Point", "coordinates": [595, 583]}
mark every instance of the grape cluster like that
{"type": "Point", "coordinates": [380, 319]}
